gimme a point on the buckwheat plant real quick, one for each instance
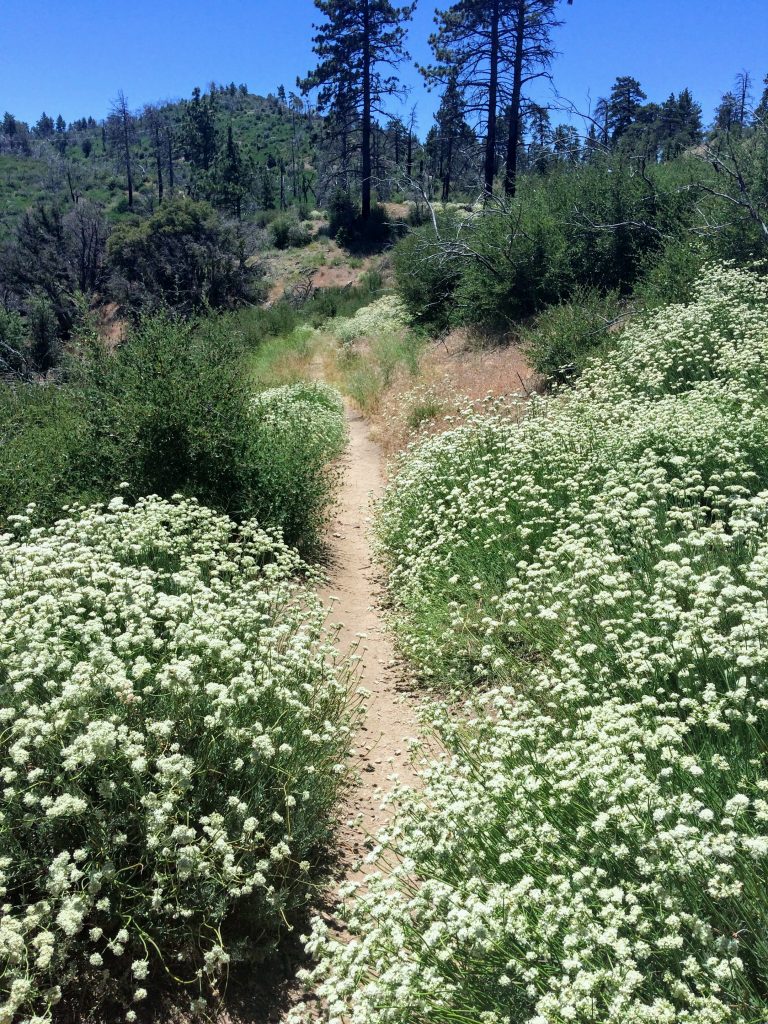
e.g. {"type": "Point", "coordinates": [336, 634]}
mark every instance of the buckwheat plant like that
{"type": "Point", "coordinates": [592, 846]}
{"type": "Point", "coordinates": [382, 316]}
{"type": "Point", "coordinates": [174, 725]}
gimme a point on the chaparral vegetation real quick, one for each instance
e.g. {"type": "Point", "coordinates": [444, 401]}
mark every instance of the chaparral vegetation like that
{"type": "Point", "coordinates": [549, 320]}
{"type": "Point", "coordinates": [592, 844]}
{"type": "Point", "coordinates": [175, 728]}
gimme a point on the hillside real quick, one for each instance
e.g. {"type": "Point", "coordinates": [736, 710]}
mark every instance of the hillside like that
{"type": "Point", "coordinates": [85, 159]}
{"type": "Point", "coordinates": [384, 533]}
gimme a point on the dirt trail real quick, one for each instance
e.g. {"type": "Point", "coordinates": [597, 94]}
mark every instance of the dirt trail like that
{"type": "Point", "coordinates": [354, 581]}
{"type": "Point", "coordinates": [355, 585]}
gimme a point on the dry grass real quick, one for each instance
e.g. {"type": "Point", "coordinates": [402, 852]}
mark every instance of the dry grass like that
{"type": "Point", "coordinates": [456, 374]}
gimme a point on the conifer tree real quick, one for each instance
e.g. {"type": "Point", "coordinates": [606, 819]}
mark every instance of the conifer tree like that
{"type": "Point", "coordinates": [121, 128]}
{"type": "Point", "coordinates": [232, 176]}
{"type": "Point", "coordinates": [450, 126]}
{"type": "Point", "coordinates": [493, 48]}
{"type": "Point", "coordinates": [761, 110]}
{"type": "Point", "coordinates": [356, 43]}
{"type": "Point", "coordinates": [199, 130]}
{"type": "Point", "coordinates": [623, 105]}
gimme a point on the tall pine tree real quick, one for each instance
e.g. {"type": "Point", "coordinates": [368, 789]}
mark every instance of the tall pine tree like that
{"type": "Point", "coordinates": [493, 48]}
{"type": "Point", "coordinates": [355, 44]}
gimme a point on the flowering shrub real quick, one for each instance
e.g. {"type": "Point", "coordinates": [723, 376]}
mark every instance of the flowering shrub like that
{"type": "Point", "coordinates": [384, 315]}
{"type": "Point", "coordinates": [297, 430]}
{"type": "Point", "coordinates": [592, 846]}
{"type": "Point", "coordinates": [174, 730]}
{"type": "Point", "coordinates": [170, 411]}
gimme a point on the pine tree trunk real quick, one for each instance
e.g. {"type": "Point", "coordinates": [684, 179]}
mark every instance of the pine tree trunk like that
{"type": "Point", "coordinates": [127, 147]}
{"type": "Point", "coordinates": [366, 133]}
{"type": "Point", "coordinates": [513, 139]}
{"type": "Point", "coordinates": [493, 89]}
{"type": "Point", "coordinates": [170, 161]}
{"type": "Point", "coordinates": [447, 174]}
{"type": "Point", "coordinates": [159, 163]}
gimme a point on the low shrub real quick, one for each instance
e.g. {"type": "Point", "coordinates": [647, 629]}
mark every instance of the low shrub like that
{"type": "Point", "coordinates": [287, 233]}
{"type": "Point", "coordinates": [327, 303]}
{"type": "Point", "coordinates": [592, 845]}
{"type": "Point", "coordinates": [171, 410]}
{"type": "Point", "coordinates": [298, 236]}
{"type": "Point", "coordinates": [426, 278]}
{"type": "Point", "coordinates": [298, 430]}
{"type": "Point", "coordinates": [175, 725]}
{"type": "Point", "coordinates": [284, 359]}
{"type": "Point", "coordinates": [342, 213]}
{"type": "Point", "coordinates": [565, 337]}
{"type": "Point", "coordinates": [384, 315]}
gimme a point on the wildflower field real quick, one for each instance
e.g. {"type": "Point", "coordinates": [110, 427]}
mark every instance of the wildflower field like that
{"type": "Point", "coordinates": [174, 730]}
{"type": "Point", "coordinates": [592, 844]}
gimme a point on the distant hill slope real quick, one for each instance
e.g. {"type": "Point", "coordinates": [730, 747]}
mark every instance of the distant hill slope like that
{"type": "Point", "coordinates": [84, 159]}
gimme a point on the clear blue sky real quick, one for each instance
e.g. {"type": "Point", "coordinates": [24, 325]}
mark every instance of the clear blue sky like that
{"type": "Point", "coordinates": [71, 56]}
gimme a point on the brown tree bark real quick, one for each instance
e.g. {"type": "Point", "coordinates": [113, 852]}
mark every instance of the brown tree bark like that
{"type": "Point", "coordinates": [493, 90]}
{"type": "Point", "coordinates": [513, 138]}
{"type": "Point", "coordinates": [366, 126]}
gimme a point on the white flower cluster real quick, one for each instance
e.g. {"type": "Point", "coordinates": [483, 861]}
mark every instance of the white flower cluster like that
{"type": "Point", "coordinates": [174, 724]}
{"type": "Point", "coordinates": [309, 412]}
{"type": "Point", "coordinates": [593, 845]}
{"type": "Point", "coordinates": [382, 316]}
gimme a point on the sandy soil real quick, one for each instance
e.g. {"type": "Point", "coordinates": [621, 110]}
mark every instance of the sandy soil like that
{"type": "Point", "coordinates": [355, 585]}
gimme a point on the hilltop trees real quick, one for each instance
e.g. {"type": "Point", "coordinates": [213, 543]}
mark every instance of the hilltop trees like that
{"type": "Point", "coordinates": [623, 105]}
{"type": "Point", "coordinates": [198, 130]}
{"type": "Point", "coordinates": [355, 44]}
{"type": "Point", "coordinates": [232, 176]}
{"type": "Point", "coordinates": [492, 49]}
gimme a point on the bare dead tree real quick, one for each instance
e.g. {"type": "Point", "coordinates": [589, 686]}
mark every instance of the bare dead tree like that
{"type": "Point", "coordinates": [121, 128]}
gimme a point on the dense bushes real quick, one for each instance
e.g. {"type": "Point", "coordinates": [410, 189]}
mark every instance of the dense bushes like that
{"type": "Point", "coordinates": [184, 257]}
{"type": "Point", "coordinates": [288, 233]}
{"type": "Point", "coordinates": [175, 723]}
{"type": "Point", "coordinates": [593, 846]}
{"type": "Point", "coordinates": [607, 226]}
{"type": "Point", "coordinates": [171, 410]}
{"type": "Point", "coordinates": [565, 336]}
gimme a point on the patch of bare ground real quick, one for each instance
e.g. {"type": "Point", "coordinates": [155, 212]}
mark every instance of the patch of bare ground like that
{"type": "Point", "coordinates": [323, 262]}
{"type": "Point", "coordinates": [111, 326]}
{"type": "Point", "coordinates": [458, 372]}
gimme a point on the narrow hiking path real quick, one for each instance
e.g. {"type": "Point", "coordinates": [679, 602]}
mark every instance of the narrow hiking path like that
{"type": "Point", "coordinates": [355, 585]}
{"type": "Point", "coordinates": [353, 590]}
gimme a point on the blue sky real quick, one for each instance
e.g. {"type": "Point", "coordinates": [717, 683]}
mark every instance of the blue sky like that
{"type": "Point", "coordinates": [71, 56]}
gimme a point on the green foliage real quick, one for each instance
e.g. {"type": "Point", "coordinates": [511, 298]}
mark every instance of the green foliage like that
{"type": "Point", "coordinates": [170, 764]}
{"type": "Point", "coordinates": [342, 213]}
{"type": "Point", "coordinates": [672, 276]}
{"type": "Point", "coordinates": [171, 411]}
{"type": "Point", "coordinates": [183, 257]}
{"type": "Point", "coordinates": [287, 233]}
{"type": "Point", "coordinates": [603, 226]}
{"type": "Point", "coordinates": [426, 277]}
{"type": "Point", "coordinates": [565, 336]}
{"type": "Point", "coordinates": [44, 450]}
{"type": "Point", "coordinates": [600, 569]}
{"type": "Point", "coordinates": [375, 345]}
